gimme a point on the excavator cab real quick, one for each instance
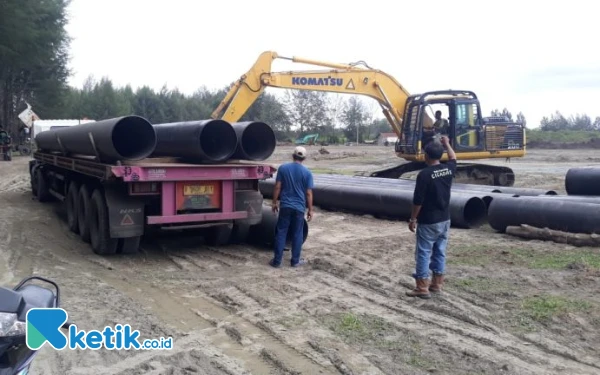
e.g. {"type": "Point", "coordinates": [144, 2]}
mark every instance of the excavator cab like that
{"type": "Point", "coordinates": [463, 116]}
{"type": "Point", "coordinates": [471, 136]}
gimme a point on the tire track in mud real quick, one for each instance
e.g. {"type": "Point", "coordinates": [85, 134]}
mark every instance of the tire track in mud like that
{"type": "Point", "coordinates": [177, 310]}
{"type": "Point", "coordinates": [478, 341]}
{"type": "Point", "coordinates": [180, 311]}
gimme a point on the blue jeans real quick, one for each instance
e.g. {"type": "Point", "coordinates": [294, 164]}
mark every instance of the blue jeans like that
{"type": "Point", "coordinates": [292, 221]}
{"type": "Point", "coordinates": [430, 251]}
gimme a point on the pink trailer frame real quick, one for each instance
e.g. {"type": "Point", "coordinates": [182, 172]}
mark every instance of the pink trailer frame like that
{"type": "Point", "coordinates": [169, 174]}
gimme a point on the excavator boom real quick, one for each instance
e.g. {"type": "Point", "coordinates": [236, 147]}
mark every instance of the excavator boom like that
{"type": "Point", "coordinates": [342, 78]}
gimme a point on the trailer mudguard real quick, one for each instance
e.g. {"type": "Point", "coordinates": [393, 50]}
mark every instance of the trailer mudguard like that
{"type": "Point", "coordinates": [125, 213]}
{"type": "Point", "coordinates": [250, 201]}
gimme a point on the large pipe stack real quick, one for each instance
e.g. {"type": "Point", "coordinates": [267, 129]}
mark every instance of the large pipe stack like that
{"type": "Point", "coordinates": [122, 138]}
{"type": "Point", "coordinates": [196, 141]}
{"type": "Point", "coordinates": [134, 138]}
{"type": "Point", "coordinates": [466, 211]}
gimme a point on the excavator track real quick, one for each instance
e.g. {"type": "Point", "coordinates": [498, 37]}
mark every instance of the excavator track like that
{"type": "Point", "coordinates": [468, 173]}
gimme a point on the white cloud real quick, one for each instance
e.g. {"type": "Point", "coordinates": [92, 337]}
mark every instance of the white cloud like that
{"type": "Point", "coordinates": [511, 53]}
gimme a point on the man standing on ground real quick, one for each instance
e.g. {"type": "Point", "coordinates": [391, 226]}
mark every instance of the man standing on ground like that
{"type": "Point", "coordinates": [431, 212]}
{"type": "Point", "coordinates": [293, 185]}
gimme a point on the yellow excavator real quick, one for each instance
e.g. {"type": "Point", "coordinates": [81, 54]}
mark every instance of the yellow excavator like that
{"type": "Point", "coordinates": [472, 136]}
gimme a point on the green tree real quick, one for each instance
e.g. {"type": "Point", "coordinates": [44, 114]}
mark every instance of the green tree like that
{"type": "Point", "coordinates": [33, 58]}
{"type": "Point", "coordinates": [353, 118]}
{"type": "Point", "coordinates": [521, 119]}
{"type": "Point", "coordinates": [308, 109]}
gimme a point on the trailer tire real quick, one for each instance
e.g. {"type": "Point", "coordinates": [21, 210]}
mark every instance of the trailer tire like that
{"type": "Point", "coordinates": [41, 187]}
{"type": "Point", "coordinates": [73, 207]}
{"type": "Point", "coordinates": [129, 245]}
{"type": "Point", "coordinates": [32, 181]}
{"type": "Point", "coordinates": [102, 243]}
{"type": "Point", "coordinates": [219, 235]}
{"type": "Point", "coordinates": [83, 213]}
{"type": "Point", "coordinates": [239, 233]}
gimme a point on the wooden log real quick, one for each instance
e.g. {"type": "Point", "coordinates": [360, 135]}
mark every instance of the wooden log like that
{"type": "Point", "coordinates": [545, 234]}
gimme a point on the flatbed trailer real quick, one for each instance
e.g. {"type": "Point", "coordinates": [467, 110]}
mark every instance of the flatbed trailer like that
{"type": "Point", "coordinates": [111, 206]}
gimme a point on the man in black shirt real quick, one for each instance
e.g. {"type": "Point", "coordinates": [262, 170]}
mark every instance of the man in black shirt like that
{"type": "Point", "coordinates": [431, 212]}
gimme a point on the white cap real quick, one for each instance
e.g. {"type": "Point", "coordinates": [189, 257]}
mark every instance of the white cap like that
{"type": "Point", "coordinates": [300, 152]}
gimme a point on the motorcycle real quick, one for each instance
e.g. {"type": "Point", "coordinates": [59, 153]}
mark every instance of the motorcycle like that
{"type": "Point", "coordinates": [15, 356]}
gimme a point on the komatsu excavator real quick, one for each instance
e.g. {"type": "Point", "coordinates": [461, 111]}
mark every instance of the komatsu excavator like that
{"type": "Point", "coordinates": [471, 135]}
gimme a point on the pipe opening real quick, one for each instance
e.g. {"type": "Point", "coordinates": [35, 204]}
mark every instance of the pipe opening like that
{"type": "Point", "coordinates": [487, 200]}
{"type": "Point", "coordinates": [551, 192]}
{"type": "Point", "coordinates": [218, 140]}
{"type": "Point", "coordinates": [474, 212]}
{"type": "Point", "coordinates": [496, 191]}
{"type": "Point", "coordinates": [134, 138]}
{"type": "Point", "coordinates": [258, 141]}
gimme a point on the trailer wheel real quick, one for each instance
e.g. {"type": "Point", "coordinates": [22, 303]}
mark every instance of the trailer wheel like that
{"type": "Point", "coordinates": [218, 235]}
{"type": "Point", "coordinates": [101, 242]}
{"type": "Point", "coordinates": [73, 207]}
{"type": "Point", "coordinates": [83, 213]}
{"type": "Point", "coordinates": [41, 187]}
{"type": "Point", "coordinates": [33, 181]}
{"type": "Point", "coordinates": [129, 245]}
{"type": "Point", "coordinates": [239, 233]}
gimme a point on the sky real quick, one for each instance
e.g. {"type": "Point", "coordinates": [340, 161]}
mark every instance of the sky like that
{"type": "Point", "coordinates": [530, 56]}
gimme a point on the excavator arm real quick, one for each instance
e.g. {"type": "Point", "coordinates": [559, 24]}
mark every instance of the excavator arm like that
{"type": "Point", "coordinates": [341, 78]}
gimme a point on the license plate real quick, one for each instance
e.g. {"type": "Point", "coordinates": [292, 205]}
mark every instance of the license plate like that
{"type": "Point", "coordinates": [198, 190]}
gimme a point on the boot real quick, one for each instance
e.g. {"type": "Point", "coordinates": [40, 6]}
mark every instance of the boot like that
{"type": "Point", "coordinates": [421, 289]}
{"type": "Point", "coordinates": [436, 283]}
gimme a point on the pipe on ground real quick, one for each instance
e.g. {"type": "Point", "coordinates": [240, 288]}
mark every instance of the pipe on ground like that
{"type": "Point", "coordinates": [455, 186]}
{"type": "Point", "coordinates": [485, 196]}
{"type": "Point", "coordinates": [197, 141]}
{"type": "Point", "coordinates": [466, 210]}
{"type": "Point", "coordinates": [121, 138]}
{"type": "Point", "coordinates": [263, 233]}
{"type": "Point", "coordinates": [256, 140]}
{"type": "Point", "coordinates": [583, 181]}
{"type": "Point", "coordinates": [552, 213]}
{"type": "Point", "coordinates": [571, 198]}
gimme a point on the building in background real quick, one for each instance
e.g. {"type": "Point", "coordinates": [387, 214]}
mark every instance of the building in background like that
{"type": "Point", "coordinates": [387, 139]}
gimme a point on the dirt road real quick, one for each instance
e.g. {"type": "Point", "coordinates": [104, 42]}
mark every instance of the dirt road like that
{"type": "Point", "coordinates": [510, 306]}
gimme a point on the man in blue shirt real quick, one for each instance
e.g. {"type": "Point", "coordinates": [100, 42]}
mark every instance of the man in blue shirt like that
{"type": "Point", "coordinates": [293, 186]}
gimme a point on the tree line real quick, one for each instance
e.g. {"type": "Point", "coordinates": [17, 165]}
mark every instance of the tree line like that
{"type": "Point", "coordinates": [33, 69]}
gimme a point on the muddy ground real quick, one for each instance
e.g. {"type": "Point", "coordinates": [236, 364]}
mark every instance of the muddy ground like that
{"type": "Point", "coordinates": [510, 306]}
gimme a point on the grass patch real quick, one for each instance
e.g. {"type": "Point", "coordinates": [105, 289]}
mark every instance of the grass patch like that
{"type": "Point", "coordinates": [365, 329]}
{"type": "Point", "coordinates": [563, 136]}
{"type": "Point", "coordinates": [471, 255]}
{"type": "Point", "coordinates": [544, 308]}
{"type": "Point", "coordinates": [481, 255]}
{"type": "Point", "coordinates": [484, 284]}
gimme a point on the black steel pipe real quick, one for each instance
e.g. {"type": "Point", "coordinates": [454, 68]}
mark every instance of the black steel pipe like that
{"type": "Point", "coordinates": [366, 181]}
{"type": "Point", "coordinates": [256, 140]}
{"type": "Point", "coordinates": [466, 211]}
{"type": "Point", "coordinates": [572, 198]}
{"type": "Point", "coordinates": [197, 141]}
{"type": "Point", "coordinates": [583, 181]}
{"type": "Point", "coordinates": [455, 186]}
{"type": "Point", "coordinates": [549, 213]}
{"type": "Point", "coordinates": [122, 138]}
{"type": "Point", "coordinates": [263, 233]}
